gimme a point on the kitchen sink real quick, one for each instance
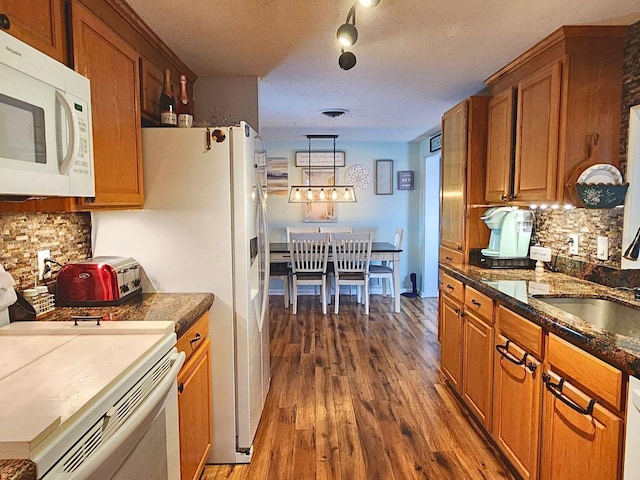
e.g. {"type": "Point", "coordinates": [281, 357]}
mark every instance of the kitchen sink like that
{"type": "Point", "coordinates": [606, 314]}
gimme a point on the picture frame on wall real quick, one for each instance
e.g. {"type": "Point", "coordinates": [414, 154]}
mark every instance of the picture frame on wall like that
{"type": "Point", "coordinates": [319, 212]}
{"type": "Point", "coordinates": [435, 143]}
{"type": "Point", "coordinates": [405, 180]}
{"type": "Point", "coordinates": [322, 158]}
{"type": "Point", "coordinates": [384, 177]}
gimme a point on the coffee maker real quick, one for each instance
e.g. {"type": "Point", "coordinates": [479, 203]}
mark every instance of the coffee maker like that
{"type": "Point", "coordinates": [511, 229]}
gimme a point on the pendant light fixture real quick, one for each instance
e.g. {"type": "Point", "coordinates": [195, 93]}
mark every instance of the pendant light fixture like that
{"type": "Point", "coordinates": [322, 193]}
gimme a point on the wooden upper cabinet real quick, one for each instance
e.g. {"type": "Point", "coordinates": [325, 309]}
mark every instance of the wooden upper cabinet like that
{"type": "Point", "coordinates": [152, 82]}
{"type": "Point", "coordinates": [111, 64]}
{"type": "Point", "coordinates": [536, 158]}
{"type": "Point", "coordinates": [453, 193]}
{"type": "Point", "coordinates": [499, 140]}
{"type": "Point", "coordinates": [567, 89]}
{"type": "Point", "coordinates": [464, 146]}
{"type": "Point", "coordinates": [39, 23]}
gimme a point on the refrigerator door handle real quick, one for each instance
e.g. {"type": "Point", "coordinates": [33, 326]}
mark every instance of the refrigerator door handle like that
{"type": "Point", "coordinates": [262, 214]}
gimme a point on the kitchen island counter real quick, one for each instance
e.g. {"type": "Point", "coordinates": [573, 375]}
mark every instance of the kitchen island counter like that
{"type": "Point", "coordinates": [517, 290]}
{"type": "Point", "coordinates": [182, 308]}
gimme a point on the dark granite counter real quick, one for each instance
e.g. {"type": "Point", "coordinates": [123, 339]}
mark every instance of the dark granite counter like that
{"type": "Point", "coordinates": [17, 470]}
{"type": "Point", "coordinates": [182, 308]}
{"type": "Point", "coordinates": [517, 290]}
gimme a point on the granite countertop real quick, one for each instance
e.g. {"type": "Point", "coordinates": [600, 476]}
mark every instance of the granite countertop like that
{"type": "Point", "coordinates": [515, 289]}
{"type": "Point", "coordinates": [183, 308]}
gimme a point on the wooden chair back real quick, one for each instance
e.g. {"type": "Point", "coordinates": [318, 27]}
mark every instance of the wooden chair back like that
{"type": "Point", "coordinates": [290, 230]}
{"type": "Point", "coordinates": [351, 252]}
{"type": "Point", "coordinates": [309, 252]}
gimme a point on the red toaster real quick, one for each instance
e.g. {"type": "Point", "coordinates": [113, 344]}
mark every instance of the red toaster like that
{"type": "Point", "coordinates": [98, 281]}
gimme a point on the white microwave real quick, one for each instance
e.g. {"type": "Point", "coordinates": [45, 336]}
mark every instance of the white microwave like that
{"type": "Point", "coordinates": [45, 125]}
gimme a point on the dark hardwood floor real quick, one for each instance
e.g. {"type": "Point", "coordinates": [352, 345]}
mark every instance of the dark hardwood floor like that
{"type": "Point", "coordinates": [356, 397]}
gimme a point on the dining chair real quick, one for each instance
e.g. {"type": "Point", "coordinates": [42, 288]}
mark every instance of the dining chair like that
{"type": "Point", "coordinates": [384, 272]}
{"type": "Point", "coordinates": [309, 253]}
{"type": "Point", "coordinates": [351, 257]}
{"type": "Point", "coordinates": [332, 230]}
{"type": "Point", "coordinates": [290, 230]}
{"type": "Point", "coordinates": [282, 271]}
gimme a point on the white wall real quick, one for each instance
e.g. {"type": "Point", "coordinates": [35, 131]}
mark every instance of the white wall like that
{"type": "Point", "coordinates": [378, 213]}
{"type": "Point", "coordinates": [227, 100]}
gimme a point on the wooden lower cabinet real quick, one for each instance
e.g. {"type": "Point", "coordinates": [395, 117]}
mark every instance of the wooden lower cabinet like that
{"type": "Point", "coordinates": [451, 340]}
{"type": "Point", "coordinates": [517, 405]}
{"type": "Point", "coordinates": [477, 374]}
{"type": "Point", "coordinates": [578, 445]}
{"type": "Point", "coordinates": [194, 406]}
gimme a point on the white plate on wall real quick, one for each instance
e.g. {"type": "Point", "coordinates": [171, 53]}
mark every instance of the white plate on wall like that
{"type": "Point", "coordinates": [601, 173]}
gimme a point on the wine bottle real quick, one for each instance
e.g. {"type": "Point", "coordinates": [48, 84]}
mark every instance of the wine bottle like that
{"type": "Point", "coordinates": [184, 107]}
{"type": "Point", "coordinates": [168, 117]}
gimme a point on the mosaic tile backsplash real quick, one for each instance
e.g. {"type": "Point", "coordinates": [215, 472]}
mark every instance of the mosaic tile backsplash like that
{"type": "Point", "coordinates": [66, 235]}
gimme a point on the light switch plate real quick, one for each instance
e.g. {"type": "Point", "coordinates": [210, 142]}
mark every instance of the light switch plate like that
{"type": "Point", "coordinates": [602, 252]}
{"type": "Point", "coordinates": [540, 253]}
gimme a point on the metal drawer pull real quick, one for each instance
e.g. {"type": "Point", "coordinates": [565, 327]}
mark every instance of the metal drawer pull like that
{"type": "Point", "coordinates": [86, 318]}
{"type": "Point", "coordinates": [195, 339]}
{"type": "Point", "coordinates": [475, 303]}
{"type": "Point", "coordinates": [503, 350]}
{"type": "Point", "coordinates": [451, 287]}
{"type": "Point", "coordinates": [556, 391]}
{"type": "Point", "coordinates": [448, 259]}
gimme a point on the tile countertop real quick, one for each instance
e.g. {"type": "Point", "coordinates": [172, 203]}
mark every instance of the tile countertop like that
{"type": "Point", "coordinates": [183, 308]}
{"type": "Point", "coordinates": [515, 289]}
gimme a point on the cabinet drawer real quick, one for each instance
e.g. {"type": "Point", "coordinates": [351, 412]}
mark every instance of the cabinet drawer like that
{"type": "Point", "coordinates": [478, 303]}
{"type": "Point", "coordinates": [526, 334]}
{"type": "Point", "coordinates": [598, 377]}
{"type": "Point", "coordinates": [194, 336]}
{"type": "Point", "coordinates": [452, 287]}
{"type": "Point", "coordinates": [451, 257]}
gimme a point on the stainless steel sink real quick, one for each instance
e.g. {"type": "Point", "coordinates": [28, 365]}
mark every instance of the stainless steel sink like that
{"type": "Point", "coordinates": [602, 313]}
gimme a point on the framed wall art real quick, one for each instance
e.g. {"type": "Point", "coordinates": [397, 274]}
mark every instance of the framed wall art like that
{"type": "Point", "coordinates": [384, 177]}
{"type": "Point", "coordinates": [277, 176]}
{"type": "Point", "coordinates": [319, 212]}
{"type": "Point", "coordinates": [405, 180]}
{"type": "Point", "coordinates": [435, 143]}
{"type": "Point", "coordinates": [320, 159]}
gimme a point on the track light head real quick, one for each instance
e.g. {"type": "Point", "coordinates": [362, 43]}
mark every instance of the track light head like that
{"type": "Point", "coordinates": [347, 60]}
{"type": "Point", "coordinates": [369, 3]}
{"type": "Point", "coordinates": [347, 35]}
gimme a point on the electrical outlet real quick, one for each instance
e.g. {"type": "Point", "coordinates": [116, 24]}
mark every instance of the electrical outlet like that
{"type": "Point", "coordinates": [42, 255]}
{"type": "Point", "coordinates": [603, 248]}
{"type": "Point", "coordinates": [573, 244]}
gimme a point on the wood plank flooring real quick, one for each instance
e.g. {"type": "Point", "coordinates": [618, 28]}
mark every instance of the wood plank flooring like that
{"type": "Point", "coordinates": [356, 397]}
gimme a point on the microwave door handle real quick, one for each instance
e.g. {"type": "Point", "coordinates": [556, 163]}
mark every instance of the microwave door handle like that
{"type": "Point", "coordinates": [74, 132]}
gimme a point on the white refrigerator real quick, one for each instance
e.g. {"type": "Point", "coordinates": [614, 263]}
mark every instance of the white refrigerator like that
{"type": "Point", "coordinates": [203, 228]}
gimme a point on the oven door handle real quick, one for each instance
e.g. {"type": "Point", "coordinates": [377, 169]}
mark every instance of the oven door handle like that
{"type": "Point", "coordinates": [74, 134]}
{"type": "Point", "coordinates": [134, 427]}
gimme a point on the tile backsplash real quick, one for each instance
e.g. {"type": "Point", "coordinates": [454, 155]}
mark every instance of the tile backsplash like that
{"type": "Point", "coordinates": [66, 235]}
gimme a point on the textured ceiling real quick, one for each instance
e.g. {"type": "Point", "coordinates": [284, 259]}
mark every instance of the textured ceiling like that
{"type": "Point", "coordinates": [415, 58]}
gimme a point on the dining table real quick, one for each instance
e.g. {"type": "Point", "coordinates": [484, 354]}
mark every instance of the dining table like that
{"type": "Point", "coordinates": [380, 251]}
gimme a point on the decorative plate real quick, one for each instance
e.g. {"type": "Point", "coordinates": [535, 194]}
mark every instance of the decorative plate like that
{"type": "Point", "coordinates": [359, 176]}
{"type": "Point", "coordinates": [601, 173]}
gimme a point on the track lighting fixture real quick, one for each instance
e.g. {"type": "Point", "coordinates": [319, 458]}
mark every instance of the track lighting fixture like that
{"type": "Point", "coordinates": [347, 60]}
{"type": "Point", "coordinates": [347, 33]}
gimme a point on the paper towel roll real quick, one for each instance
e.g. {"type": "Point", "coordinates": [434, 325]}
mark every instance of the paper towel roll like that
{"type": "Point", "coordinates": [7, 295]}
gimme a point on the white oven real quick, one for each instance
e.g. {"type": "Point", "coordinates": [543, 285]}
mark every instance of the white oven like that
{"type": "Point", "coordinates": [114, 394]}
